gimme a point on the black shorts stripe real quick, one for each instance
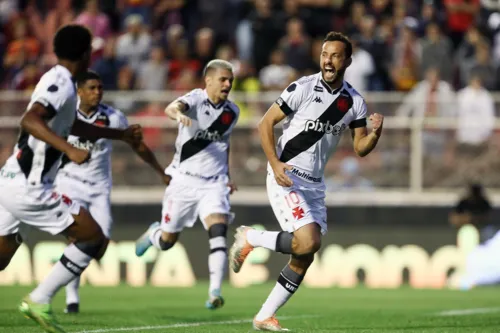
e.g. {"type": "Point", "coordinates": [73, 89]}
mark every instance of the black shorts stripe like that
{"type": "Point", "coordinates": [358, 123]}
{"type": "Point", "coordinates": [284, 107]}
{"type": "Point", "coordinates": [25, 154]}
{"type": "Point", "coordinates": [220, 125]}
{"type": "Point", "coordinates": [306, 139]}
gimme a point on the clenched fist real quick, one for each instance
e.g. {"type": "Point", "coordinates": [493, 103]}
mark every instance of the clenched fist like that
{"type": "Point", "coordinates": [133, 134]}
{"type": "Point", "coordinates": [377, 121]}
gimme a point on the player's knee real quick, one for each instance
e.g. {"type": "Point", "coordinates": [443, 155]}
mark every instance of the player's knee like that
{"type": "Point", "coordinates": [307, 246]}
{"type": "Point", "coordinates": [95, 247]}
{"type": "Point", "coordinates": [217, 234]}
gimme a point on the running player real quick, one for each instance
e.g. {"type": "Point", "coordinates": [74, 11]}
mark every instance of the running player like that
{"type": "Point", "coordinates": [318, 108]}
{"type": "Point", "coordinates": [200, 183]}
{"type": "Point", "coordinates": [27, 192]}
{"type": "Point", "coordinates": [90, 184]}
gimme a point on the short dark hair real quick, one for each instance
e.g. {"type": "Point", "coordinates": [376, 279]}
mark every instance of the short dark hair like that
{"type": "Point", "coordinates": [82, 78]}
{"type": "Point", "coordinates": [72, 41]}
{"type": "Point", "coordinates": [340, 37]}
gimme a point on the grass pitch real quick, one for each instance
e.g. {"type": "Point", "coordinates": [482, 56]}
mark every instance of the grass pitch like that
{"type": "Point", "coordinates": [127, 309]}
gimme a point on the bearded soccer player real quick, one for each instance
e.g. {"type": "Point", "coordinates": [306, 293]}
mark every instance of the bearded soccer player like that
{"type": "Point", "coordinates": [316, 109]}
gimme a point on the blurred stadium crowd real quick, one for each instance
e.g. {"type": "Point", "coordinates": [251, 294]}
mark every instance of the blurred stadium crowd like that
{"type": "Point", "coordinates": [164, 44]}
{"type": "Point", "coordinates": [443, 54]}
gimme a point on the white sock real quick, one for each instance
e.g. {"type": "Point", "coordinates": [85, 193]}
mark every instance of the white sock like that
{"type": "Point", "coordinates": [72, 263]}
{"type": "Point", "coordinates": [155, 236]}
{"type": "Point", "coordinates": [288, 283]}
{"type": "Point", "coordinates": [262, 238]}
{"type": "Point", "coordinates": [72, 295]}
{"type": "Point", "coordinates": [217, 262]}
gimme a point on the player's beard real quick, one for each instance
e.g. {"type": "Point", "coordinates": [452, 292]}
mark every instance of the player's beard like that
{"type": "Point", "coordinates": [338, 76]}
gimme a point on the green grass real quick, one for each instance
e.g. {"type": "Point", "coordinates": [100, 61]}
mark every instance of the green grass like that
{"type": "Point", "coordinates": [310, 310]}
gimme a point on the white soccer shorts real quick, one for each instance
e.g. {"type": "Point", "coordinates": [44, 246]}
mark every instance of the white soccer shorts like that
{"type": "Point", "coordinates": [300, 204]}
{"type": "Point", "coordinates": [183, 204]}
{"type": "Point", "coordinates": [92, 196]}
{"type": "Point", "coordinates": [40, 207]}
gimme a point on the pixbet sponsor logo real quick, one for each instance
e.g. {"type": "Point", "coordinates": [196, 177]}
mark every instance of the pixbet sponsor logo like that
{"type": "Point", "coordinates": [317, 126]}
{"type": "Point", "coordinates": [207, 135]}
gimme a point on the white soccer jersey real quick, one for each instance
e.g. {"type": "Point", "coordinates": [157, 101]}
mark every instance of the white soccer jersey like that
{"type": "Point", "coordinates": [316, 117]}
{"type": "Point", "coordinates": [202, 149]}
{"type": "Point", "coordinates": [35, 159]}
{"type": "Point", "coordinates": [98, 168]}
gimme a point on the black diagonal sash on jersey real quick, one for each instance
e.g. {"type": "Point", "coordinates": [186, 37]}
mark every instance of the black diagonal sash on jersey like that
{"type": "Point", "coordinates": [51, 157]}
{"type": "Point", "coordinates": [304, 140]}
{"type": "Point", "coordinates": [221, 125]}
{"type": "Point", "coordinates": [25, 154]}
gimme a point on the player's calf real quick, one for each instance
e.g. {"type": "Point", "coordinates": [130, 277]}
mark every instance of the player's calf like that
{"type": "Point", "coordinates": [156, 237]}
{"type": "Point", "coordinates": [217, 263]}
{"type": "Point", "coordinates": [8, 247]}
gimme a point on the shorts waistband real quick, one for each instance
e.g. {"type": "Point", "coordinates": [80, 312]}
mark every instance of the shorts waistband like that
{"type": "Point", "coordinates": [198, 176]}
{"type": "Point", "coordinates": [68, 175]}
{"type": "Point", "coordinates": [305, 175]}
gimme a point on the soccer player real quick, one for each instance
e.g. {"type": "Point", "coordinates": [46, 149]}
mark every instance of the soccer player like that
{"type": "Point", "coordinates": [200, 184]}
{"type": "Point", "coordinates": [89, 184]}
{"type": "Point", "coordinates": [318, 108]}
{"type": "Point", "coordinates": [27, 193]}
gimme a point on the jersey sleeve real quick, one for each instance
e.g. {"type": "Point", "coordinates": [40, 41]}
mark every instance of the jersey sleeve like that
{"type": "Point", "coordinates": [52, 96]}
{"type": "Point", "coordinates": [291, 98]}
{"type": "Point", "coordinates": [122, 120]}
{"type": "Point", "coordinates": [359, 109]}
{"type": "Point", "coordinates": [190, 99]}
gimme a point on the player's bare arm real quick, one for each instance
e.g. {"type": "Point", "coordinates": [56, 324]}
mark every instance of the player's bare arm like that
{"type": "Point", "coordinates": [143, 151]}
{"type": "Point", "coordinates": [266, 130]}
{"type": "Point", "coordinates": [176, 111]}
{"type": "Point", "coordinates": [34, 122]}
{"type": "Point", "coordinates": [131, 135]}
{"type": "Point", "coordinates": [365, 142]}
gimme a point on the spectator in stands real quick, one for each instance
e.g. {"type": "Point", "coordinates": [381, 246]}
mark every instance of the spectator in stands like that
{"type": "Point", "coordinates": [432, 97]}
{"type": "Point", "coordinates": [134, 46]}
{"type": "Point", "coordinates": [483, 67]}
{"type": "Point", "coordinates": [27, 78]}
{"type": "Point", "coordinates": [436, 52]}
{"type": "Point", "coordinates": [143, 8]}
{"type": "Point", "coordinates": [466, 51]}
{"type": "Point", "coordinates": [476, 119]}
{"type": "Point", "coordinates": [167, 13]}
{"type": "Point", "coordinates": [95, 20]}
{"type": "Point", "coordinates": [172, 38]}
{"type": "Point", "coordinates": [181, 61]}
{"type": "Point", "coordinates": [361, 68]}
{"type": "Point", "coordinates": [204, 47]}
{"type": "Point", "coordinates": [109, 66]}
{"type": "Point", "coordinates": [277, 75]}
{"type": "Point", "coordinates": [461, 15]}
{"type": "Point", "coordinates": [296, 45]}
{"type": "Point", "coordinates": [21, 50]}
{"type": "Point", "coordinates": [267, 29]}
{"type": "Point", "coordinates": [61, 15]}
{"type": "Point", "coordinates": [357, 15]}
{"type": "Point", "coordinates": [406, 57]}
{"type": "Point", "coordinates": [474, 209]}
{"type": "Point", "coordinates": [349, 178]}
{"type": "Point", "coordinates": [153, 74]}
{"type": "Point", "coordinates": [378, 48]}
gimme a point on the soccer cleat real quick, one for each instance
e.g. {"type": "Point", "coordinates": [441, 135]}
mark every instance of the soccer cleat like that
{"type": "Point", "coordinates": [240, 249]}
{"type": "Point", "coordinates": [215, 301]}
{"type": "Point", "coordinates": [42, 314]}
{"type": "Point", "coordinates": [143, 243]}
{"type": "Point", "coordinates": [270, 324]}
{"type": "Point", "coordinates": [72, 308]}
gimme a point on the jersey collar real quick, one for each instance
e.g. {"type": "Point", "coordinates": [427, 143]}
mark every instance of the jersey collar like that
{"type": "Point", "coordinates": [218, 106]}
{"type": "Point", "coordinates": [328, 88]}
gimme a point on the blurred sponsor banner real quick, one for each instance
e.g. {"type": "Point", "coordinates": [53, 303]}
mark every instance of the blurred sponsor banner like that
{"type": "Point", "coordinates": [374, 254]}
